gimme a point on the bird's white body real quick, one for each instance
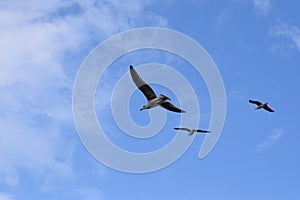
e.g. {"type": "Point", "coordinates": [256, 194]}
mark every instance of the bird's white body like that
{"type": "Point", "coordinates": [155, 102]}
{"type": "Point", "coordinates": [261, 106]}
{"type": "Point", "coordinates": [192, 131]}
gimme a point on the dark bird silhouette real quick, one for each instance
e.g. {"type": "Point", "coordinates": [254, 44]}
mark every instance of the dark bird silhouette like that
{"type": "Point", "coordinates": [153, 100]}
{"type": "Point", "coordinates": [260, 105]}
{"type": "Point", "coordinates": [192, 131]}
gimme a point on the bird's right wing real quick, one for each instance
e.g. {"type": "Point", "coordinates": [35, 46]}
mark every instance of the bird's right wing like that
{"type": "Point", "coordinates": [167, 105]}
{"type": "Point", "coordinates": [142, 85]}
{"type": "Point", "coordinates": [202, 131]}
{"type": "Point", "coordinates": [255, 102]}
{"type": "Point", "coordinates": [268, 108]}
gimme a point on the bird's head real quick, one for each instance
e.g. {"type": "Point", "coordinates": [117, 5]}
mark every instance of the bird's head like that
{"type": "Point", "coordinates": [143, 108]}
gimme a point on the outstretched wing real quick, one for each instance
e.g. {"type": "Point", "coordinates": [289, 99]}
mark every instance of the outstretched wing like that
{"type": "Point", "coordinates": [167, 105]}
{"type": "Point", "coordinates": [202, 131]}
{"type": "Point", "coordinates": [268, 108]}
{"type": "Point", "coordinates": [142, 85]}
{"type": "Point", "coordinates": [183, 129]}
{"type": "Point", "coordinates": [255, 102]}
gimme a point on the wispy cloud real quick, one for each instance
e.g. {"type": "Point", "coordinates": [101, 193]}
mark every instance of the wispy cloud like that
{"type": "Point", "coordinates": [39, 41]}
{"type": "Point", "coordinates": [291, 32]}
{"type": "Point", "coordinates": [281, 29]}
{"type": "Point", "coordinates": [90, 193]}
{"type": "Point", "coordinates": [263, 5]}
{"type": "Point", "coordinates": [5, 196]}
{"type": "Point", "coordinates": [270, 140]}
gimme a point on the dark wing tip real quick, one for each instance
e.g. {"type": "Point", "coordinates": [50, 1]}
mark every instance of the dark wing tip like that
{"type": "Point", "coordinates": [269, 109]}
{"type": "Point", "coordinates": [255, 102]}
{"type": "Point", "coordinates": [203, 131]}
{"type": "Point", "coordinates": [176, 128]}
{"type": "Point", "coordinates": [131, 67]}
{"type": "Point", "coordinates": [167, 105]}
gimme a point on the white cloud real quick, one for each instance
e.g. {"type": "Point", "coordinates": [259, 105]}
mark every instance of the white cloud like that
{"type": "Point", "coordinates": [39, 40]}
{"type": "Point", "coordinates": [263, 5]}
{"type": "Point", "coordinates": [270, 140]}
{"type": "Point", "coordinates": [40, 150]}
{"type": "Point", "coordinates": [85, 193]}
{"type": "Point", "coordinates": [291, 32]}
{"type": "Point", "coordinates": [282, 29]}
{"type": "Point", "coordinates": [5, 196]}
{"type": "Point", "coordinates": [90, 193]}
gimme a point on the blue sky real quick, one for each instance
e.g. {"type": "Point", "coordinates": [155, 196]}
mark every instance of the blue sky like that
{"type": "Point", "coordinates": [254, 43]}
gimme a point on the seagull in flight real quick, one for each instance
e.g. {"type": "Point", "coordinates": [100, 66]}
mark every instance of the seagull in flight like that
{"type": "Point", "coordinates": [260, 105]}
{"type": "Point", "coordinates": [192, 131]}
{"type": "Point", "coordinates": [153, 100]}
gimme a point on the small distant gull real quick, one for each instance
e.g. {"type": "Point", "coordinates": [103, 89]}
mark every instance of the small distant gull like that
{"type": "Point", "coordinates": [192, 131]}
{"type": "Point", "coordinates": [261, 105]}
{"type": "Point", "coordinates": [153, 100]}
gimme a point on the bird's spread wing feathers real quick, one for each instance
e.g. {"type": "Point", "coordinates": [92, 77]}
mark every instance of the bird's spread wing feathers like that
{"type": "Point", "coordinates": [268, 108]}
{"type": "Point", "coordinates": [202, 131]}
{"type": "Point", "coordinates": [183, 129]}
{"type": "Point", "coordinates": [171, 107]}
{"type": "Point", "coordinates": [255, 102]}
{"type": "Point", "coordinates": [142, 85]}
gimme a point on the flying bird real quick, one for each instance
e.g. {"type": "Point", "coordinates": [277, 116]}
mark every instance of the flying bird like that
{"type": "Point", "coordinates": [153, 100]}
{"type": "Point", "coordinates": [260, 105]}
{"type": "Point", "coordinates": [192, 131]}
